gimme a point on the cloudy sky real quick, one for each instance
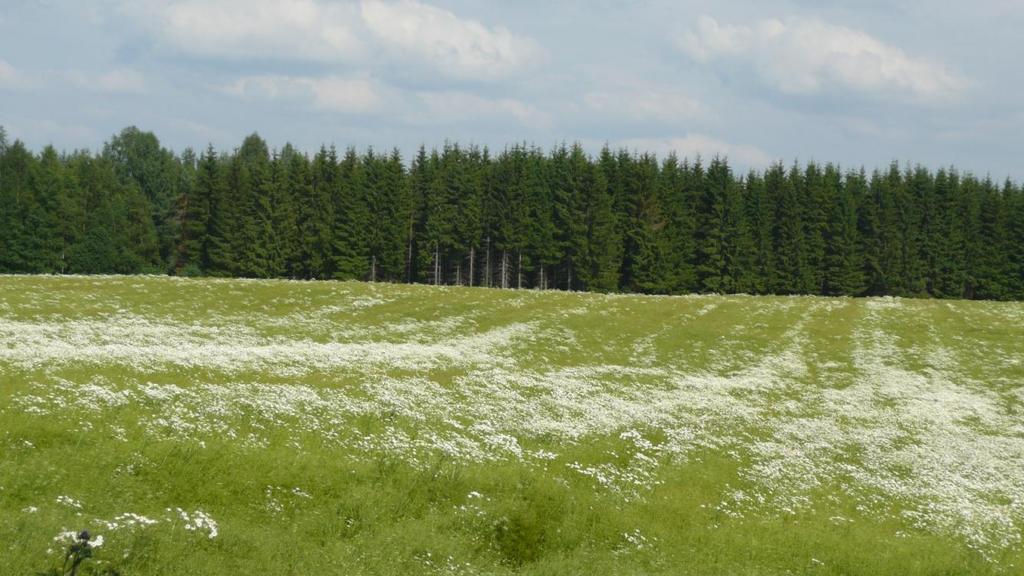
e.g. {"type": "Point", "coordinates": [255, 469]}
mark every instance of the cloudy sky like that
{"type": "Point", "coordinates": [859, 83]}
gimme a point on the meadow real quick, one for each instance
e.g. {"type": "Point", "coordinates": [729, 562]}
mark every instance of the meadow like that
{"type": "Point", "coordinates": [206, 427]}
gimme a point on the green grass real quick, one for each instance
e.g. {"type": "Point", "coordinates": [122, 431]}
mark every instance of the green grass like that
{"type": "Point", "coordinates": [347, 428]}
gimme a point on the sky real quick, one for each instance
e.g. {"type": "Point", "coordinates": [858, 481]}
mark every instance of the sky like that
{"type": "Point", "coordinates": [856, 83]}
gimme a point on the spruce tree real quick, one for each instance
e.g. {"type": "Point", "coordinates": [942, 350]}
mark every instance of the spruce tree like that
{"type": "Point", "coordinates": [541, 248]}
{"type": "Point", "coordinates": [759, 214]}
{"type": "Point", "coordinates": [352, 220]}
{"type": "Point", "coordinates": [644, 267]}
{"type": "Point", "coordinates": [195, 194]}
{"type": "Point", "coordinates": [844, 260]}
{"type": "Point", "coordinates": [138, 158]}
{"type": "Point", "coordinates": [469, 224]}
{"type": "Point", "coordinates": [602, 247]}
{"type": "Point", "coordinates": [680, 225]}
{"type": "Point", "coordinates": [49, 185]}
{"type": "Point", "coordinates": [16, 206]}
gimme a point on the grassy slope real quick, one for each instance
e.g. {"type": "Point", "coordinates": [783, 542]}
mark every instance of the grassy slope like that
{"type": "Point", "coordinates": [357, 428]}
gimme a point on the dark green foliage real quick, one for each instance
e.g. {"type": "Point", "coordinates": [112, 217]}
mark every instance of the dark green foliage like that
{"type": "Point", "coordinates": [601, 246]}
{"type": "Point", "coordinates": [676, 190]}
{"type": "Point", "coordinates": [352, 220]}
{"type": "Point", "coordinates": [843, 269]}
{"type": "Point", "coordinates": [389, 208]}
{"type": "Point", "coordinates": [20, 209]}
{"type": "Point", "coordinates": [315, 208]}
{"type": "Point", "coordinates": [138, 159]}
{"type": "Point", "coordinates": [618, 222]}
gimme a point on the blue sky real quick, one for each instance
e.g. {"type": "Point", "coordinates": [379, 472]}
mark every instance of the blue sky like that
{"type": "Point", "coordinates": [858, 83]}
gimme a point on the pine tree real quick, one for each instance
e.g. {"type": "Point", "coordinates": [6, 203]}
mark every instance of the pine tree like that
{"type": "Point", "coordinates": [138, 158]}
{"type": "Point", "coordinates": [195, 197]}
{"type": "Point", "coordinates": [1015, 245]}
{"type": "Point", "coordinates": [946, 241]}
{"type": "Point", "coordinates": [227, 239]}
{"type": "Point", "coordinates": [469, 225]}
{"type": "Point", "coordinates": [316, 220]}
{"type": "Point", "coordinates": [992, 270]}
{"type": "Point", "coordinates": [620, 221]}
{"type": "Point", "coordinates": [352, 220]}
{"type": "Point", "coordinates": [569, 171]}
{"type": "Point", "coordinates": [791, 255]}
{"type": "Point", "coordinates": [759, 214]}
{"type": "Point", "coordinates": [680, 226]}
{"type": "Point", "coordinates": [612, 171]}
{"type": "Point", "coordinates": [541, 249]}
{"type": "Point", "coordinates": [95, 250]}
{"type": "Point", "coordinates": [421, 177]}
{"type": "Point", "coordinates": [844, 260]}
{"type": "Point", "coordinates": [18, 204]}
{"type": "Point", "coordinates": [388, 207]}
{"type": "Point", "coordinates": [49, 186]}
{"type": "Point", "coordinates": [739, 240]}
{"type": "Point", "coordinates": [602, 247]}
{"type": "Point", "coordinates": [511, 214]}
{"type": "Point", "coordinates": [712, 207]}
{"type": "Point", "coordinates": [135, 234]}
{"type": "Point", "coordinates": [914, 200]}
{"type": "Point", "coordinates": [725, 244]}
{"type": "Point", "coordinates": [818, 194]}
{"type": "Point", "coordinates": [643, 268]}
{"type": "Point", "coordinates": [293, 180]}
{"type": "Point", "coordinates": [256, 252]}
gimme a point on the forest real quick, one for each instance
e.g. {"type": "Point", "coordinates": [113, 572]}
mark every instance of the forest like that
{"type": "Point", "coordinates": [620, 221]}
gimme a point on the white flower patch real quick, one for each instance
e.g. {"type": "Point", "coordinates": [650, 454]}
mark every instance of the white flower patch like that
{"type": "Point", "coordinates": [128, 520]}
{"type": "Point", "coordinates": [141, 344]}
{"type": "Point", "coordinates": [892, 422]}
{"type": "Point", "coordinates": [197, 521]}
{"type": "Point", "coordinates": [66, 537]}
{"type": "Point", "coordinates": [630, 482]}
{"type": "Point", "coordinates": [69, 502]}
{"type": "Point", "coordinates": [636, 540]}
{"type": "Point", "coordinates": [278, 498]}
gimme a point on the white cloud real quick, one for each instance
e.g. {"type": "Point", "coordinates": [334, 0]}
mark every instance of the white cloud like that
{"type": "Point", "coordinates": [51, 131]}
{"type": "Point", "coordinates": [651, 104]}
{"type": "Point", "coordinates": [693, 145]}
{"type": "Point", "coordinates": [10, 77]}
{"type": "Point", "coordinates": [121, 80]}
{"type": "Point", "coordinates": [273, 29]}
{"type": "Point", "coordinates": [118, 81]}
{"type": "Point", "coordinates": [204, 131]}
{"type": "Point", "coordinates": [802, 56]}
{"type": "Point", "coordinates": [333, 93]}
{"type": "Point", "coordinates": [456, 106]}
{"type": "Point", "coordinates": [334, 32]}
{"type": "Point", "coordinates": [455, 46]}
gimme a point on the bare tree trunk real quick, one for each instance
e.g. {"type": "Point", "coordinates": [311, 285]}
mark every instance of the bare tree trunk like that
{"type": "Point", "coordinates": [373, 268]}
{"type": "Point", "coordinates": [472, 255]}
{"type": "Point", "coordinates": [408, 263]}
{"type": "Point", "coordinates": [487, 264]}
{"type": "Point", "coordinates": [570, 278]}
{"type": "Point", "coordinates": [519, 275]}
{"type": "Point", "coordinates": [437, 267]}
{"type": "Point", "coordinates": [504, 269]}
{"type": "Point", "coordinates": [458, 274]}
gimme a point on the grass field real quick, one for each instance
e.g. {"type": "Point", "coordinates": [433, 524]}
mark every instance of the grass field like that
{"type": "Point", "coordinates": [207, 427]}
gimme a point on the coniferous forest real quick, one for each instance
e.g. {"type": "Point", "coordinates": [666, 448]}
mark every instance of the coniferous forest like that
{"type": "Point", "coordinates": [520, 218]}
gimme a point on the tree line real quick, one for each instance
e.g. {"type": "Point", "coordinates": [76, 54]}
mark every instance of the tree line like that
{"type": "Point", "coordinates": [522, 218]}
